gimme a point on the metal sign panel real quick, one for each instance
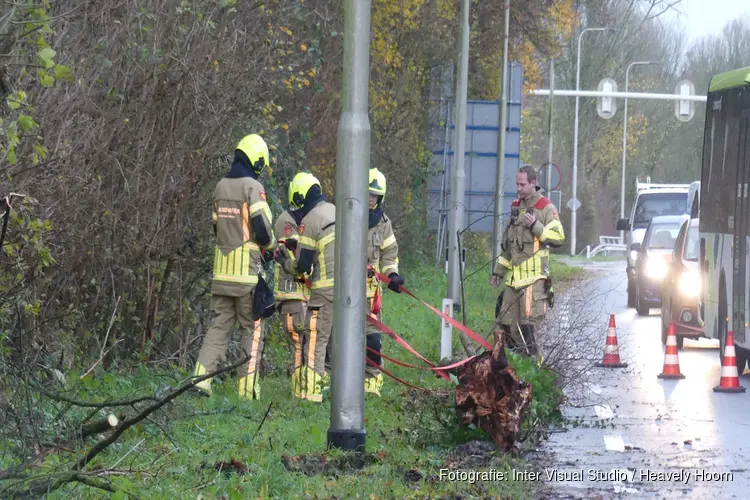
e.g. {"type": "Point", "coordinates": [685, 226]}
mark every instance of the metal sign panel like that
{"type": "Point", "coordinates": [482, 126]}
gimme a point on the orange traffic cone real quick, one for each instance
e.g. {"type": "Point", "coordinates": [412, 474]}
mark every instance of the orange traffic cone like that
{"type": "Point", "coordinates": [671, 361]}
{"type": "Point", "coordinates": [611, 349]}
{"type": "Point", "coordinates": [730, 380]}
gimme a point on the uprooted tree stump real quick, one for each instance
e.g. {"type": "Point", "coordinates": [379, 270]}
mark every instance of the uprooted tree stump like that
{"type": "Point", "coordinates": [491, 396]}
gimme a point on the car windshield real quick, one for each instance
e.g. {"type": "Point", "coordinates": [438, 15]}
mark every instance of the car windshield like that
{"type": "Point", "coordinates": [655, 204]}
{"type": "Point", "coordinates": [692, 249]}
{"type": "Point", "coordinates": [663, 236]}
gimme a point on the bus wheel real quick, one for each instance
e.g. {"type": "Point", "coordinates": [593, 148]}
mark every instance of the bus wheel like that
{"type": "Point", "coordinates": [742, 359]}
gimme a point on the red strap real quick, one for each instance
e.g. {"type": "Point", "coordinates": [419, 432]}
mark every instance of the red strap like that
{"type": "Point", "coordinates": [373, 363]}
{"type": "Point", "coordinates": [377, 301]}
{"type": "Point", "coordinates": [400, 363]}
{"type": "Point", "coordinates": [407, 365]}
{"type": "Point", "coordinates": [477, 338]}
{"type": "Point", "coordinates": [380, 326]}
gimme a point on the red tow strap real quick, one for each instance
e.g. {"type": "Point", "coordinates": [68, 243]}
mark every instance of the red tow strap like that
{"type": "Point", "coordinates": [374, 364]}
{"type": "Point", "coordinates": [380, 326]}
{"type": "Point", "coordinates": [476, 338]}
{"type": "Point", "coordinates": [407, 365]}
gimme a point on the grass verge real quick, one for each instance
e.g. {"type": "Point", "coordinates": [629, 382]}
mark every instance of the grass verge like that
{"type": "Point", "coordinates": [278, 443]}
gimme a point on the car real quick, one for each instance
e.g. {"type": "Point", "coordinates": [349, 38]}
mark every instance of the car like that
{"type": "Point", "coordinates": [651, 200]}
{"type": "Point", "coordinates": [681, 287]}
{"type": "Point", "coordinates": [653, 258]}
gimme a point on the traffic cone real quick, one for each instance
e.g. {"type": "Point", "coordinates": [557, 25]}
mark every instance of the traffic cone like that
{"type": "Point", "coordinates": [730, 380]}
{"type": "Point", "coordinates": [671, 361]}
{"type": "Point", "coordinates": [611, 350]}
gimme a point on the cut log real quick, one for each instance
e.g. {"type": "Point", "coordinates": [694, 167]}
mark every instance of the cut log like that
{"type": "Point", "coordinates": [98, 426]}
{"type": "Point", "coordinates": [492, 397]}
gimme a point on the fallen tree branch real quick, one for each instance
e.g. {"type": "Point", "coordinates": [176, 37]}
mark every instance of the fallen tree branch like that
{"type": "Point", "coordinates": [50, 484]}
{"type": "Point", "coordinates": [98, 426]}
{"type": "Point", "coordinates": [103, 444]}
{"type": "Point", "coordinates": [45, 487]}
{"type": "Point", "coordinates": [89, 404]}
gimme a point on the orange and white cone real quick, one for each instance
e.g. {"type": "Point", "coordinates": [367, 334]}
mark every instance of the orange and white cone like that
{"type": "Point", "coordinates": [611, 349]}
{"type": "Point", "coordinates": [730, 380]}
{"type": "Point", "coordinates": [671, 360]}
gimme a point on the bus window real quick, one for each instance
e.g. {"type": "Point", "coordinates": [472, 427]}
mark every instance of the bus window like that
{"type": "Point", "coordinates": [656, 204]}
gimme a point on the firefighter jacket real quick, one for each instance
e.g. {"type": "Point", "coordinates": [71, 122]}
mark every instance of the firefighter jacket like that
{"type": "Point", "coordinates": [243, 225]}
{"type": "Point", "coordinates": [382, 252]}
{"type": "Point", "coordinates": [525, 254]}
{"type": "Point", "coordinates": [287, 286]}
{"type": "Point", "coordinates": [316, 249]}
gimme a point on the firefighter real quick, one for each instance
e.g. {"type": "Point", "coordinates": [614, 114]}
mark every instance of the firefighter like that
{"type": "Point", "coordinates": [534, 226]}
{"type": "Point", "coordinates": [315, 258]}
{"type": "Point", "coordinates": [382, 256]}
{"type": "Point", "coordinates": [290, 291]}
{"type": "Point", "coordinates": [244, 230]}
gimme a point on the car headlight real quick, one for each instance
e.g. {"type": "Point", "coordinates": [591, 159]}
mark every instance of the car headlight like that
{"type": "Point", "coordinates": [656, 268]}
{"type": "Point", "coordinates": [690, 284]}
{"type": "Point", "coordinates": [633, 255]}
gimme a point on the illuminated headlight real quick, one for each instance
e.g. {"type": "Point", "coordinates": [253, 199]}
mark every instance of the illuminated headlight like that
{"type": "Point", "coordinates": [656, 268]}
{"type": "Point", "coordinates": [633, 255]}
{"type": "Point", "coordinates": [690, 284]}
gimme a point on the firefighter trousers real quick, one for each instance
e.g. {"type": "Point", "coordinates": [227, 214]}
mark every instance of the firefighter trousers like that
{"type": "Point", "coordinates": [310, 378]}
{"type": "Point", "coordinates": [229, 311]}
{"type": "Point", "coordinates": [521, 312]}
{"type": "Point", "coordinates": [373, 377]}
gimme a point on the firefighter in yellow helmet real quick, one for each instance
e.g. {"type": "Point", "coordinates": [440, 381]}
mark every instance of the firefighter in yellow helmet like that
{"type": "Point", "coordinates": [244, 232]}
{"type": "Point", "coordinates": [290, 290]}
{"type": "Point", "coordinates": [315, 258]}
{"type": "Point", "coordinates": [382, 256]}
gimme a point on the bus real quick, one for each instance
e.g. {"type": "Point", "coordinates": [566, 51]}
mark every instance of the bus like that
{"type": "Point", "coordinates": [725, 212]}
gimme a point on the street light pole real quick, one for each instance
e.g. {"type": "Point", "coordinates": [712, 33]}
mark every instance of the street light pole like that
{"type": "Point", "coordinates": [497, 226]}
{"type": "Point", "coordinates": [575, 143]}
{"type": "Point", "coordinates": [625, 143]}
{"type": "Point", "coordinates": [457, 215]}
{"type": "Point", "coordinates": [347, 429]}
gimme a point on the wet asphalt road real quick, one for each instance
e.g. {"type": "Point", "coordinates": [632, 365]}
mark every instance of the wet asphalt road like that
{"type": "Point", "coordinates": [650, 425]}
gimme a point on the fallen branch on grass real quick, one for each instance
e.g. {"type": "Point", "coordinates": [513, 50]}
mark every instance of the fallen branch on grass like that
{"type": "Point", "coordinates": [53, 482]}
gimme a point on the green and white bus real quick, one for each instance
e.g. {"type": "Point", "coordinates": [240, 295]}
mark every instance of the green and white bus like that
{"type": "Point", "coordinates": [725, 212]}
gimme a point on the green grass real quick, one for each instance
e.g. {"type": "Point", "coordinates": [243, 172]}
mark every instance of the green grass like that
{"type": "Point", "coordinates": [407, 430]}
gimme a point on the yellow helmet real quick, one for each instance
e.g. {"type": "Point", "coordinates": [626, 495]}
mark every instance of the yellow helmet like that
{"type": "Point", "coordinates": [299, 187]}
{"type": "Point", "coordinates": [256, 150]}
{"type": "Point", "coordinates": [377, 183]}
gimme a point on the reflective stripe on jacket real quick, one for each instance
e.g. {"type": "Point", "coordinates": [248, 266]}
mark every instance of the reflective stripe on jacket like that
{"type": "Point", "coordinates": [525, 257]}
{"type": "Point", "coordinates": [237, 254]}
{"type": "Point", "coordinates": [382, 252]}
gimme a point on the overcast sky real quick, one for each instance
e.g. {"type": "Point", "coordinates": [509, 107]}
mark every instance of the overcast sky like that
{"type": "Point", "coordinates": [707, 17]}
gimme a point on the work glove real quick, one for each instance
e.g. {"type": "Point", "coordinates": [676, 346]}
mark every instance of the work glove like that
{"type": "Point", "coordinates": [266, 256]}
{"type": "Point", "coordinates": [396, 282]}
{"type": "Point", "coordinates": [370, 272]}
{"type": "Point", "coordinates": [291, 244]}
